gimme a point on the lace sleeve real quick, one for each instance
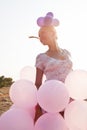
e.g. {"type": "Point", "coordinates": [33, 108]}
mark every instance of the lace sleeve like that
{"type": "Point", "coordinates": [39, 62]}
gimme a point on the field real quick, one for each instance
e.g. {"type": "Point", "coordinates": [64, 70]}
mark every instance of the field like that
{"type": "Point", "coordinates": [5, 101]}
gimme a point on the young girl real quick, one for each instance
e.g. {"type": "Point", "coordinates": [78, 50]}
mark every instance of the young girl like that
{"type": "Point", "coordinates": [55, 63]}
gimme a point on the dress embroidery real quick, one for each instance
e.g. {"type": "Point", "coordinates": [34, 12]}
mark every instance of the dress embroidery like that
{"type": "Point", "coordinates": [54, 68]}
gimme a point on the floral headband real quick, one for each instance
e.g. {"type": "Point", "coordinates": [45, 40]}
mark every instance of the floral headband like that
{"type": "Point", "coordinates": [48, 20]}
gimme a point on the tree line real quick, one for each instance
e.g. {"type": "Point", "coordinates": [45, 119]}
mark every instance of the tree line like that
{"type": "Point", "coordinates": [5, 81]}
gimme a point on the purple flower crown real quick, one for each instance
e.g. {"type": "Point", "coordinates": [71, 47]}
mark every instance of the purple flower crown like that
{"type": "Point", "coordinates": [48, 20]}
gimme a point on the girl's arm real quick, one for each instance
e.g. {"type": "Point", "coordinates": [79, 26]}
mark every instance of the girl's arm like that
{"type": "Point", "coordinates": [39, 77]}
{"type": "Point", "coordinates": [38, 82]}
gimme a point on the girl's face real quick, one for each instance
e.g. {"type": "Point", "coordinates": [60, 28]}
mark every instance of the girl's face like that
{"type": "Point", "coordinates": [47, 36]}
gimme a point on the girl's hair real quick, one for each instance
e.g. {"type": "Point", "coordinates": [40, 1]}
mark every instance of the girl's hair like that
{"type": "Point", "coordinates": [49, 29]}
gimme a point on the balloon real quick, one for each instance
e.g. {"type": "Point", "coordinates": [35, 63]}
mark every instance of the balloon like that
{"type": "Point", "coordinates": [23, 93]}
{"type": "Point", "coordinates": [75, 115]}
{"type": "Point", "coordinates": [47, 20]}
{"type": "Point", "coordinates": [16, 119]}
{"type": "Point", "coordinates": [49, 14]}
{"type": "Point", "coordinates": [76, 83]}
{"type": "Point", "coordinates": [28, 73]}
{"type": "Point", "coordinates": [55, 22]}
{"type": "Point", "coordinates": [53, 96]}
{"type": "Point", "coordinates": [31, 111]}
{"type": "Point", "coordinates": [40, 21]}
{"type": "Point", "coordinates": [75, 128]}
{"type": "Point", "coordinates": [50, 121]}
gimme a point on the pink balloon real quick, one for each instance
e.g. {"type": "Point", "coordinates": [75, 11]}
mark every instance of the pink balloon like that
{"type": "Point", "coordinates": [50, 121]}
{"type": "Point", "coordinates": [16, 119]}
{"type": "Point", "coordinates": [55, 22]}
{"type": "Point", "coordinates": [75, 115]}
{"type": "Point", "coordinates": [40, 21]}
{"type": "Point", "coordinates": [49, 14]}
{"type": "Point", "coordinates": [29, 73]}
{"type": "Point", "coordinates": [31, 111]}
{"type": "Point", "coordinates": [76, 83]}
{"type": "Point", "coordinates": [75, 128]}
{"type": "Point", "coordinates": [47, 20]}
{"type": "Point", "coordinates": [53, 96]}
{"type": "Point", "coordinates": [23, 93]}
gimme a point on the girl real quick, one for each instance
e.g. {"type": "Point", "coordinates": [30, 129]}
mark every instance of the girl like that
{"type": "Point", "coordinates": [55, 63]}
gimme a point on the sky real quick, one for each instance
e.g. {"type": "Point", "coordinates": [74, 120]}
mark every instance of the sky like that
{"type": "Point", "coordinates": [18, 21]}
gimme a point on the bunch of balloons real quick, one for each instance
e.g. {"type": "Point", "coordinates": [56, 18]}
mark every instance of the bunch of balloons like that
{"type": "Point", "coordinates": [53, 97]}
{"type": "Point", "coordinates": [48, 20]}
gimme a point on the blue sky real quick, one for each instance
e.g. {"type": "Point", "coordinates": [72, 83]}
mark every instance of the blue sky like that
{"type": "Point", "coordinates": [18, 21]}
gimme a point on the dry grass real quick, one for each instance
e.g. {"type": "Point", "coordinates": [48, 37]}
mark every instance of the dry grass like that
{"type": "Point", "coordinates": [5, 101]}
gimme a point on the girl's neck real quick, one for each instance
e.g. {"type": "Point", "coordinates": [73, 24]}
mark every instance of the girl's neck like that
{"type": "Point", "coordinates": [54, 49]}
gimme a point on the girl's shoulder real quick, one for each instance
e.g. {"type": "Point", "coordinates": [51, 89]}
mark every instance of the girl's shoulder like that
{"type": "Point", "coordinates": [40, 56]}
{"type": "Point", "coordinates": [40, 61]}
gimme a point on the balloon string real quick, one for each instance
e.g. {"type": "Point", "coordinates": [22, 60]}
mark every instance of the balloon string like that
{"type": "Point", "coordinates": [33, 37]}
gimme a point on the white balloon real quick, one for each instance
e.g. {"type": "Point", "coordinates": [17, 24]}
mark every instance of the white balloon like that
{"type": "Point", "coordinates": [75, 115]}
{"type": "Point", "coordinates": [50, 121]}
{"type": "Point", "coordinates": [28, 73]}
{"type": "Point", "coordinates": [23, 93]}
{"type": "Point", "coordinates": [76, 83]}
{"type": "Point", "coordinates": [53, 96]}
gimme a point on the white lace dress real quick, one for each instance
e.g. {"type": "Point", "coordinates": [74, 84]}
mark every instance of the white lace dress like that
{"type": "Point", "coordinates": [54, 68]}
